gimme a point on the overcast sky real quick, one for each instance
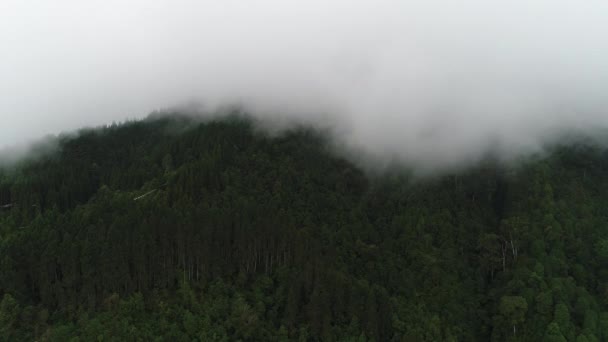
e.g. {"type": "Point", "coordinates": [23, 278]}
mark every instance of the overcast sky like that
{"type": "Point", "coordinates": [425, 81]}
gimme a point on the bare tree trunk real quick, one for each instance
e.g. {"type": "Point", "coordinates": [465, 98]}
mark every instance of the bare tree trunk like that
{"type": "Point", "coordinates": [513, 249]}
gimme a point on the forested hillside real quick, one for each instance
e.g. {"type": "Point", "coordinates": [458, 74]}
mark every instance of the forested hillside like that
{"type": "Point", "coordinates": [172, 229]}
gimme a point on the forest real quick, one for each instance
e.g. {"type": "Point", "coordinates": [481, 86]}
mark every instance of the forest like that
{"type": "Point", "coordinates": [173, 228]}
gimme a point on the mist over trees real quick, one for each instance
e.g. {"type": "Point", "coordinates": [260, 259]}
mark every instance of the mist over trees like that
{"type": "Point", "coordinates": [426, 82]}
{"type": "Point", "coordinates": [175, 229]}
{"type": "Point", "coordinates": [406, 170]}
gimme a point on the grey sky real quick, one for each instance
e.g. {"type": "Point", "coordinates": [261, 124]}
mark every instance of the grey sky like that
{"type": "Point", "coordinates": [428, 82]}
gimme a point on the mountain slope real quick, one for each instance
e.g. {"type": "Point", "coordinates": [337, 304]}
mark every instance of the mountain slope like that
{"type": "Point", "coordinates": [175, 229]}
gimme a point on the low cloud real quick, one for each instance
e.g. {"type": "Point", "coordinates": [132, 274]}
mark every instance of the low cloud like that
{"type": "Point", "coordinates": [431, 84]}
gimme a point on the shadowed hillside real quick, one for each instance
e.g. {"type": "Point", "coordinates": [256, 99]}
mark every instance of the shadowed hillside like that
{"type": "Point", "coordinates": [172, 229]}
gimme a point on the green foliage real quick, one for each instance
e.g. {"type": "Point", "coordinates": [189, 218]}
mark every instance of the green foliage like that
{"type": "Point", "coordinates": [553, 334]}
{"type": "Point", "coordinates": [512, 311]}
{"type": "Point", "coordinates": [175, 229]}
{"type": "Point", "coordinates": [9, 316]}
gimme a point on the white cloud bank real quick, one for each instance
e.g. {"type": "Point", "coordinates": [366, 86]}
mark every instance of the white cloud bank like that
{"type": "Point", "coordinates": [431, 83]}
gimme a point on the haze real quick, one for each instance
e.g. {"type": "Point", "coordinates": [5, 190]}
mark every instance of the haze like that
{"type": "Point", "coordinates": [428, 83]}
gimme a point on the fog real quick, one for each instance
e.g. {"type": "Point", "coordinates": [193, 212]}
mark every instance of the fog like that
{"type": "Point", "coordinates": [430, 83]}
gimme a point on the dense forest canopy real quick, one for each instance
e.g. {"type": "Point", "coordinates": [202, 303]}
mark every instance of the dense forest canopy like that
{"type": "Point", "coordinates": [173, 229]}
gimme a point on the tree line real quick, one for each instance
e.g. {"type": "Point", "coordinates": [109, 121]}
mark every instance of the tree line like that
{"type": "Point", "coordinates": [172, 228]}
